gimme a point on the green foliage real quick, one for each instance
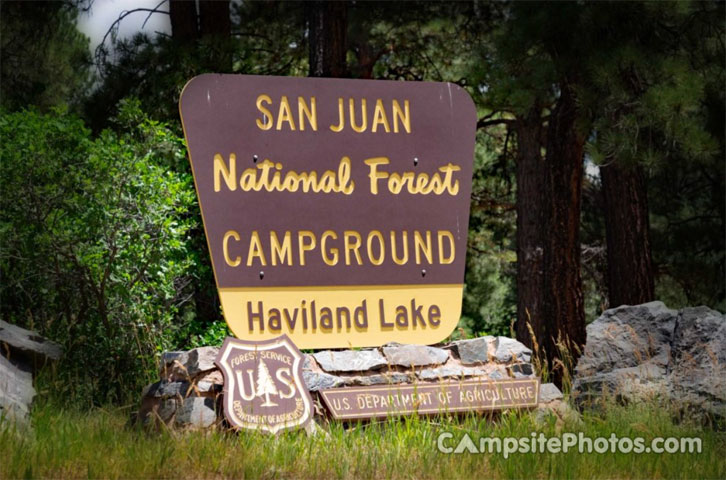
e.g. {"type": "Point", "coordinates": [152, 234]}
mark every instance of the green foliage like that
{"type": "Point", "coordinates": [94, 243]}
{"type": "Point", "coordinates": [649, 79]}
{"type": "Point", "coordinates": [201, 335]}
{"type": "Point", "coordinates": [659, 87]}
{"type": "Point", "coordinates": [490, 305]}
{"type": "Point", "coordinates": [45, 59]}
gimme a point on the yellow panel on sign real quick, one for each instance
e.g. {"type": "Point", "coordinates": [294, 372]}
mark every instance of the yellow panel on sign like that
{"type": "Point", "coordinates": [356, 316]}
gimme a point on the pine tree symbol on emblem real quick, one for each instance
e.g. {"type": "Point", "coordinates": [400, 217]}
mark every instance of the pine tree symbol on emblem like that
{"type": "Point", "coordinates": [265, 385]}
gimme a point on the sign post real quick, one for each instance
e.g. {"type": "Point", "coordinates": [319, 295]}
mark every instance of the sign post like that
{"type": "Point", "coordinates": [336, 211]}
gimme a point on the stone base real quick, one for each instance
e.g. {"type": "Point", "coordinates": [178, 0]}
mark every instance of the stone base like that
{"type": "Point", "coordinates": [188, 394]}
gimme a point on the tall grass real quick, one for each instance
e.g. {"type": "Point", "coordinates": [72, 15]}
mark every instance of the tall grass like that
{"type": "Point", "coordinates": [99, 443]}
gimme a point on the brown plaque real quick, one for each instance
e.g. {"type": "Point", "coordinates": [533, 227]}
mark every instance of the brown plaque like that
{"type": "Point", "coordinates": [430, 398]}
{"type": "Point", "coordinates": [336, 211]}
{"type": "Point", "coordinates": [263, 385]}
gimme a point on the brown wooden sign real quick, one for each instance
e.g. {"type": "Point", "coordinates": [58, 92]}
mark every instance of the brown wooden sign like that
{"type": "Point", "coordinates": [430, 398]}
{"type": "Point", "coordinates": [336, 211]}
{"type": "Point", "coordinates": [263, 385]}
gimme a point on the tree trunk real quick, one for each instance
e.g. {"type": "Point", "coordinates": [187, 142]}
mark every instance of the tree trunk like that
{"type": "Point", "coordinates": [214, 18]}
{"type": "Point", "coordinates": [327, 26]}
{"type": "Point", "coordinates": [530, 228]}
{"type": "Point", "coordinates": [216, 27]}
{"type": "Point", "coordinates": [183, 16]}
{"type": "Point", "coordinates": [563, 311]}
{"type": "Point", "coordinates": [630, 269]}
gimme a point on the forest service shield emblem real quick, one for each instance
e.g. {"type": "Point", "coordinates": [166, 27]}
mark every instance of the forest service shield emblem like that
{"type": "Point", "coordinates": [263, 384]}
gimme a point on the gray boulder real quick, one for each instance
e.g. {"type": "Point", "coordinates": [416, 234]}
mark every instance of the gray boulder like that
{"type": "Point", "coordinates": [652, 352]}
{"type": "Point", "coordinates": [16, 392]}
{"type": "Point", "coordinates": [349, 360]}
{"type": "Point", "coordinates": [549, 392]}
{"type": "Point", "coordinates": [522, 370]}
{"type": "Point", "coordinates": [316, 381]}
{"type": "Point", "coordinates": [189, 364]}
{"type": "Point", "coordinates": [414, 355]}
{"type": "Point", "coordinates": [451, 372]}
{"type": "Point", "coordinates": [474, 351]}
{"type": "Point", "coordinates": [509, 350]}
{"type": "Point", "coordinates": [27, 344]}
{"type": "Point", "coordinates": [627, 336]}
{"type": "Point", "coordinates": [21, 351]}
{"type": "Point", "coordinates": [698, 367]}
{"type": "Point", "coordinates": [380, 379]}
{"type": "Point", "coordinates": [196, 413]}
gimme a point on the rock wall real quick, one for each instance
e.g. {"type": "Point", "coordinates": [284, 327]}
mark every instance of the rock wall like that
{"type": "Point", "coordinates": [21, 353]}
{"type": "Point", "coordinates": [188, 393]}
{"type": "Point", "coordinates": [651, 351]}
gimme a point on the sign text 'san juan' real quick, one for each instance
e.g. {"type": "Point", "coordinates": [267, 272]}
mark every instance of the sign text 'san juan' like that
{"type": "Point", "coordinates": [336, 211]}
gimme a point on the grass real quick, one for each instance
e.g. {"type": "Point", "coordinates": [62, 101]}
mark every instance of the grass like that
{"type": "Point", "coordinates": [100, 444]}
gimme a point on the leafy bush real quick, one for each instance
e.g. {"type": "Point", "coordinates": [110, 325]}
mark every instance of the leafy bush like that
{"type": "Point", "coordinates": [93, 236]}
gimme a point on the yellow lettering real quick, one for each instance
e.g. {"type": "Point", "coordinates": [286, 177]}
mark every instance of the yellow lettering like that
{"type": "Point", "coordinates": [309, 112]}
{"type": "Point", "coordinates": [255, 250]}
{"type": "Point", "coordinates": [414, 183]}
{"type": "Point", "coordinates": [352, 246]}
{"type": "Point", "coordinates": [381, 246]}
{"type": "Point", "coordinates": [341, 117]}
{"type": "Point", "coordinates": [399, 114]}
{"type": "Point", "coordinates": [364, 116]}
{"type": "Point", "coordinates": [323, 244]}
{"type": "Point", "coordinates": [302, 246]}
{"type": "Point", "coordinates": [448, 170]}
{"type": "Point", "coordinates": [446, 234]}
{"type": "Point", "coordinates": [260, 178]}
{"type": "Point", "coordinates": [418, 245]}
{"type": "Point", "coordinates": [346, 184]}
{"type": "Point", "coordinates": [248, 180]}
{"type": "Point", "coordinates": [225, 249]}
{"type": "Point", "coordinates": [266, 122]}
{"type": "Point", "coordinates": [283, 252]}
{"type": "Point", "coordinates": [229, 174]}
{"type": "Point", "coordinates": [285, 115]}
{"type": "Point", "coordinates": [374, 175]}
{"type": "Point", "coordinates": [404, 237]}
{"type": "Point", "coordinates": [380, 118]}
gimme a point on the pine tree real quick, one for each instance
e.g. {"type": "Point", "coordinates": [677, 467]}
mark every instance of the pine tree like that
{"type": "Point", "coordinates": [265, 385]}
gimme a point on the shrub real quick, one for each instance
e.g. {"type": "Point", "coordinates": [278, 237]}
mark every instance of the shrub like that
{"type": "Point", "coordinates": [93, 243]}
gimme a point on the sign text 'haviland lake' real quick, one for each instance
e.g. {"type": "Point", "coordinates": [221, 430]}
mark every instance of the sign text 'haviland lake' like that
{"type": "Point", "coordinates": [336, 211]}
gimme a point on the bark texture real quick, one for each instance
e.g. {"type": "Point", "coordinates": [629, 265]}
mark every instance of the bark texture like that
{"type": "Point", "coordinates": [630, 268]}
{"type": "Point", "coordinates": [183, 16]}
{"type": "Point", "coordinates": [327, 26]}
{"type": "Point", "coordinates": [564, 312]}
{"type": "Point", "coordinates": [530, 227]}
{"type": "Point", "coordinates": [215, 27]}
{"type": "Point", "coordinates": [214, 18]}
